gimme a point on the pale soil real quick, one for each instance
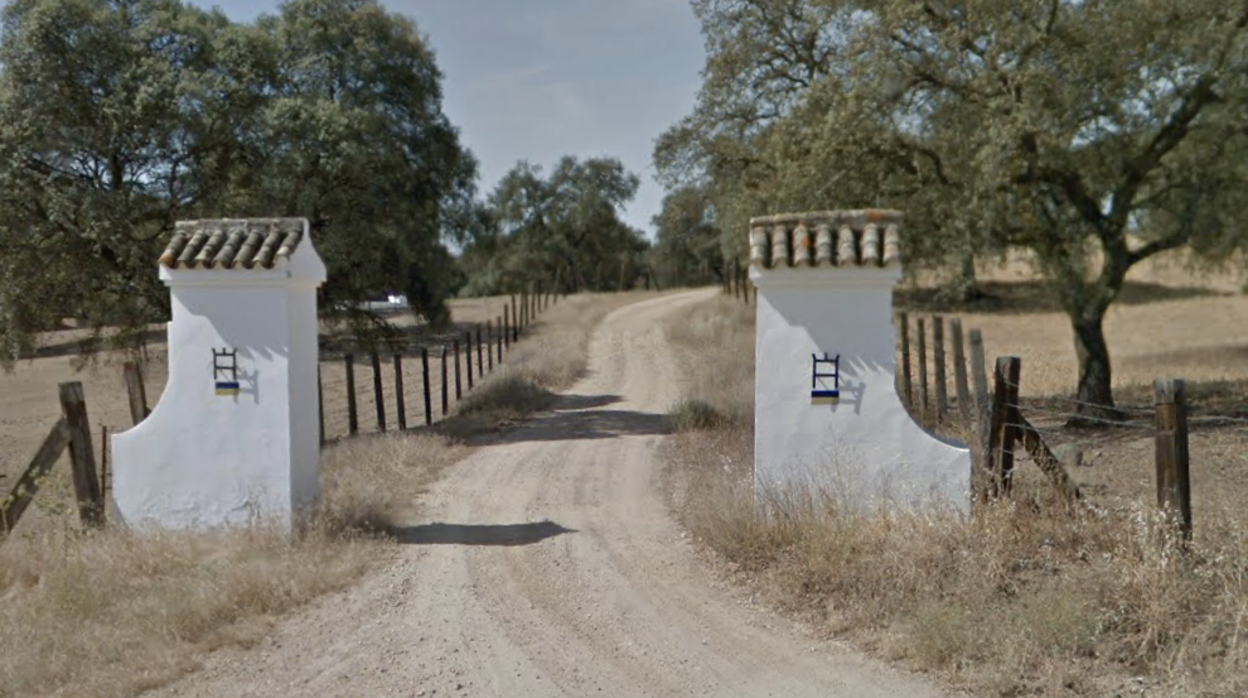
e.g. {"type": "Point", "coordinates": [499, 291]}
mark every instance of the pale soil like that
{"type": "Point", "coordinates": [547, 564]}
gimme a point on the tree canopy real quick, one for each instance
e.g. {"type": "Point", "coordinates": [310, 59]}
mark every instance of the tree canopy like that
{"type": "Point", "coordinates": [1094, 133]}
{"type": "Point", "coordinates": [118, 117]}
{"type": "Point", "coordinates": [565, 226]}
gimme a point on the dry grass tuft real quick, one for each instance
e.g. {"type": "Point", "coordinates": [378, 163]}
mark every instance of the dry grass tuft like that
{"type": "Point", "coordinates": [1017, 600]}
{"type": "Point", "coordinates": [113, 613]}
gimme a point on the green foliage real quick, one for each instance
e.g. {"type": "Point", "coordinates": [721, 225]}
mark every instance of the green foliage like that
{"type": "Point", "coordinates": [687, 246]}
{"type": "Point", "coordinates": [566, 226]}
{"type": "Point", "coordinates": [1095, 134]}
{"type": "Point", "coordinates": [118, 117]}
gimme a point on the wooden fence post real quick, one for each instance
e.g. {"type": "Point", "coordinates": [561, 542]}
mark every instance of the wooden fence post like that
{"type": "Point", "coordinates": [82, 455]}
{"type": "Point", "coordinates": [138, 394]}
{"type": "Point", "coordinates": [424, 369]}
{"type": "Point", "coordinates": [938, 357]}
{"type": "Point", "coordinates": [446, 388]}
{"type": "Point", "coordinates": [489, 344]}
{"type": "Point", "coordinates": [104, 488]}
{"type": "Point", "coordinates": [1174, 487]}
{"type": "Point", "coordinates": [400, 400]}
{"type": "Point", "coordinates": [959, 371]}
{"type": "Point", "coordinates": [353, 417]}
{"type": "Point", "coordinates": [906, 386]}
{"type": "Point", "coordinates": [459, 390]}
{"type": "Point", "coordinates": [507, 326]}
{"type": "Point", "coordinates": [500, 345]}
{"type": "Point", "coordinates": [979, 371]}
{"type": "Point", "coordinates": [515, 320]}
{"type": "Point", "coordinates": [1004, 430]}
{"type": "Point", "coordinates": [468, 356]}
{"type": "Point", "coordinates": [12, 508]}
{"type": "Point", "coordinates": [923, 369]}
{"type": "Point", "coordinates": [320, 401]}
{"type": "Point", "coordinates": [480, 362]}
{"type": "Point", "coordinates": [378, 397]}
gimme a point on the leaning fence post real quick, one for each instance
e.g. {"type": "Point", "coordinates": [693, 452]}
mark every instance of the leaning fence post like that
{"type": "Point", "coordinates": [136, 391]}
{"type": "Point", "coordinates": [424, 370]}
{"type": "Point", "coordinates": [353, 417]}
{"type": "Point", "coordinates": [959, 370]}
{"type": "Point", "coordinates": [82, 455]}
{"type": "Point", "coordinates": [938, 356]}
{"type": "Point", "coordinates": [906, 388]}
{"type": "Point", "coordinates": [923, 368]}
{"type": "Point", "coordinates": [1004, 432]}
{"type": "Point", "coordinates": [1174, 487]}
{"type": "Point", "coordinates": [378, 397]}
{"type": "Point", "coordinates": [400, 400]}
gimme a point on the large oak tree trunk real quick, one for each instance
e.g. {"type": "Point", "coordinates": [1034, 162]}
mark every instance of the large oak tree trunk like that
{"type": "Point", "coordinates": [1095, 392]}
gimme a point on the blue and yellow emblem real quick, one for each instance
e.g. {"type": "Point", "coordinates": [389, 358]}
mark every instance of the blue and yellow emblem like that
{"type": "Point", "coordinates": [227, 388]}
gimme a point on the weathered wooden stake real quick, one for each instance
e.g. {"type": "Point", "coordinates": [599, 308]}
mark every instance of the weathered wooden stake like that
{"type": "Point", "coordinates": [923, 407]}
{"type": "Point", "coordinates": [136, 391]}
{"type": "Point", "coordinates": [378, 397]}
{"type": "Point", "coordinates": [468, 356]}
{"type": "Point", "coordinates": [979, 371]}
{"type": "Point", "coordinates": [320, 402]}
{"type": "Point", "coordinates": [489, 345]}
{"type": "Point", "coordinates": [1004, 430]}
{"type": "Point", "coordinates": [959, 371]}
{"type": "Point", "coordinates": [906, 386]}
{"type": "Point", "coordinates": [446, 386]}
{"type": "Point", "coordinates": [82, 455]}
{"type": "Point", "coordinates": [424, 370]}
{"type": "Point", "coordinates": [459, 390]}
{"type": "Point", "coordinates": [500, 345]}
{"type": "Point", "coordinates": [400, 400]}
{"type": "Point", "coordinates": [517, 326]}
{"type": "Point", "coordinates": [938, 357]}
{"type": "Point", "coordinates": [507, 326]}
{"type": "Point", "coordinates": [104, 466]}
{"type": "Point", "coordinates": [353, 417]}
{"type": "Point", "coordinates": [480, 362]}
{"type": "Point", "coordinates": [1174, 487]}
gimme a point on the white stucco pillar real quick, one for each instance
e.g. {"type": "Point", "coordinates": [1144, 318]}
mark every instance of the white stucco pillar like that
{"type": "Point", "coordinates": [236, 434]}
{"type": "Point", "coordinates": [827, 413]}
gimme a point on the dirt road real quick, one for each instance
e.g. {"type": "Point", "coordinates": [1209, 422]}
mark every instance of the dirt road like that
{"type": "Point", "coordinates": [547, 565]}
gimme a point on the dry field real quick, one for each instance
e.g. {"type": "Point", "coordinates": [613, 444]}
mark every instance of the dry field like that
{"type": "Point", "coordinates": [109, 614]}
{"type": "Point", "coordinates": [1027, 599]}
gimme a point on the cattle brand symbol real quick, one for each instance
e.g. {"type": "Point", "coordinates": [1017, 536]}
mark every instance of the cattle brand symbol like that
{"type": "Point", "coordinates": [225, 371]}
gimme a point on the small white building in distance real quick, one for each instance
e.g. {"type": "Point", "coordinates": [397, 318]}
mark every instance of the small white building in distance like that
{"type": "Point", "coordinates": [827, 414]}
{"type": "Point", "coordinates": [235, 438]}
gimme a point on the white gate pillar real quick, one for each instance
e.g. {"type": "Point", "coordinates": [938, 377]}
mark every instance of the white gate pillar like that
{"type": "Point", "coordinates": [236, 435]}
{"type": "Point", "coordinates": [827, 413]}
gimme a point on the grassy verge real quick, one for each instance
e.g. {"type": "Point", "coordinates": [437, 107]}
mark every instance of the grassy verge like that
{"type": "Point", "coordinates": [551, 356]}
{"type": "Point", "coordinates": [1015, 601]}
{"type": "Point", "coordinates": [111, 613]}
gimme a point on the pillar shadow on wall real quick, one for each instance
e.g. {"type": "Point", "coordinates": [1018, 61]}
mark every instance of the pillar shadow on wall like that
{"type": "Point", "coordinates": [480, 534]}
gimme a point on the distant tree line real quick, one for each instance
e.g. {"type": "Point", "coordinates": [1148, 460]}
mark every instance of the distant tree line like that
{"type": "Point", "coordinates": [1094, 133]}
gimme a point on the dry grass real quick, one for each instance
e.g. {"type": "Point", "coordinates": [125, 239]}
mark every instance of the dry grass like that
{"type": "Point", "coordinates": [1019, 600]}
{"type": "Point", "coordinates": [551, 356]}
{"type": "Point", "coordinates": [112, 613]}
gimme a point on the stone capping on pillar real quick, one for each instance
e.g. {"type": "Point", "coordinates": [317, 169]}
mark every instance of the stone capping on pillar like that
{"type": "Point", "coordinates": [855, 238]}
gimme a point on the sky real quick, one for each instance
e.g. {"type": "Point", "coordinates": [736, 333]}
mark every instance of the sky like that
{"type": "Point", "coordinates": [539, 79]}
